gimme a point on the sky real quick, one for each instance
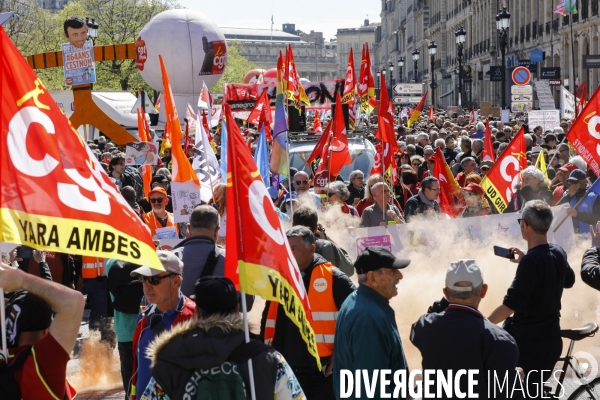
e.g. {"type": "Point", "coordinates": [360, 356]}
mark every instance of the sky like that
{"type": "Point", "coordinates": [319, 15]}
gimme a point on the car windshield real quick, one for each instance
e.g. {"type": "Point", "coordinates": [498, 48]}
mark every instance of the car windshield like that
{"type": "Point", "coordinates": [361, 151]}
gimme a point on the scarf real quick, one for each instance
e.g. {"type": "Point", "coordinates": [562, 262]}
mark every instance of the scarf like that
{"type": "Point", "coordinates": [425, 199]}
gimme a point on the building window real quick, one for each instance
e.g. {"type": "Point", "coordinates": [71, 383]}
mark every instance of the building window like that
{"type": "Point", "coordinates": [576, 16]}
{"type": "Point", "coordinates": [585, 4]}
{"type": "Point", "coordinates": [595, 7]}
{"type": "Point", "coordinates": [534, 29]}
{"type": "Point", "coordinates": [527, 32]}
{"type": "Point", "coordinates": [566, 20]}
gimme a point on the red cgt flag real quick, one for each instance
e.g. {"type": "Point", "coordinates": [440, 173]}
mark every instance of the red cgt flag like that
{"type": "Point", "coordinates": [259, 258]}
{"type": "Point", "coordinates": [499, 183]}
{"type": "Point", "coordinates": [337, 146]}
{"type": "Point", "coordinates": [262, 103]}
{"type": "Point", "coordinates": [431, 117]}
{"type": "Point", "coordinates": [584, 134]}
{"type": "Point", "coordinates": [488, 147]}
{"type": "Point", "coordinates": [448, 185]}
{"type": "Point", "coordinates": [55, 195]}
{"type": "Point", "coordinates": [147, 169]}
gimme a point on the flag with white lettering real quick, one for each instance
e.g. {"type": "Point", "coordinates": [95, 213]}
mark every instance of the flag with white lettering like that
{"type": "Point", "coordinates": [55, 194]}
{"type": "Point", "coordinates": [205, 163]}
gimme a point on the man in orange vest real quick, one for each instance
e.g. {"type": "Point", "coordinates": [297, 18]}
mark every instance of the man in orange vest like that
{"type": "Point", "coordinates": [95, 286]}
{"type": "Point", "coordinates": [327, 288]}
{"type": "Point", "coordinates": [161, 222]}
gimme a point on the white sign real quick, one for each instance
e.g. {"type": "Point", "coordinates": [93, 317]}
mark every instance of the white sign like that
{"type": "Point", "coordinates": [520, 106]}
{"type": "Point", "coordinates": [505, 116]}
{"type": "Point", "coordinates": [186, 196]}
{"type": "Point", "coordinates": [545, 95]}
{"type": "Point", "coordinates": [400, 100]}
{"type": "Point", "coordinates": [548, 120]}
{"type": "Point", "coordinates": [567, 103]}
{"type": "Point", "coordinates": [408, 88]}
{"type": "Point", "coordinates": [521, 97]}
{"type": "Point", "coordinates": [140, 153]}
{"type": "Point", "coordinates": [521, 89]}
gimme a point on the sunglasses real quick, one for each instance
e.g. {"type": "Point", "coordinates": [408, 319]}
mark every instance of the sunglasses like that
{"type": "Point", "coordinates": [301, 182]}
{"type": "Point", "coordinates": [330, 194]}
{"type": "Point", "coordinates": [153, 280]}
{"type": "Point", "coordinates": [158, 200]}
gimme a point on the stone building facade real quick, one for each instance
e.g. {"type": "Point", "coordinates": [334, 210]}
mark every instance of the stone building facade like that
{"type": "Point", "coordinates": [411, 24]}
{"type": "Point", "coordinates": [354, 38]}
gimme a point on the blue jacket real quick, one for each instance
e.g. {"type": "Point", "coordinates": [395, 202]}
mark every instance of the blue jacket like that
{"type": "Point", "coordinates": [366, 337]}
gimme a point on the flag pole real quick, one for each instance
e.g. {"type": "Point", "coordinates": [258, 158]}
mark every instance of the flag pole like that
{"type": "Point", "coordinates": [554, 155]}
{"type": "Point", "coordinates": [199, 130]}
{"type": "Point", "coordinates": [247, 337]}
{"type": "Point", "coordinates": [4, 350]}
{"type": "Point", "coordinates": [575, 206]}
{"type": "Point", "coordinates": [287, 154]}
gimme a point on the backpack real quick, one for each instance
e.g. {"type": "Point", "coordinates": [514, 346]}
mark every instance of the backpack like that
{"type": "Point", "coordinates": [9, 387]}
{"type": "Point", "coordinates": [126, 290]}
{"type": "Point", "coordinates": [224, 382]}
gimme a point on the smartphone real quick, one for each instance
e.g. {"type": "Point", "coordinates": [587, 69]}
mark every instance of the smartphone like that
{"type": "Point", "coordinates": [502, 252]}
{"type": "Point", "coordinates": [24, 252]}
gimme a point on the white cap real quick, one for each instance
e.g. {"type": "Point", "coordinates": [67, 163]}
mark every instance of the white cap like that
{"type": "Point", "coordinates": [464, 270]}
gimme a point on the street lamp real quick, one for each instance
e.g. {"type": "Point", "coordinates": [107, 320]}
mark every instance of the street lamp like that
{"type": "Point", "coordinates": [502, 25]}
{"type": "Point", "coordinates": [461, 36]}
{"type": "Point", "coordinates": [391, 65]}
{"type": "Point", "coordinates": [432, 50]}
{"type": "Point", "coordinates": [378, 84]}
{"type": "Point", "coordinates": [400, 65]}
{"type": "Point", "coordinates": [415, 57]}
{"type": "Point", "coordinates": [92, 28]}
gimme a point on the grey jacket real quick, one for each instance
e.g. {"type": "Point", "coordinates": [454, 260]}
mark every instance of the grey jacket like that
{"type": "Point", "coordinates": [335, 255]}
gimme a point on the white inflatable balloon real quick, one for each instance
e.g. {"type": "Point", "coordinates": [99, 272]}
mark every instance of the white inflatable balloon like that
{"type": "Point", "coordinates": [192, 46]}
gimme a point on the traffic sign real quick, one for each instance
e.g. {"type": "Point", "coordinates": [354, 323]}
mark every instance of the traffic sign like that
{"type": "Point", "coordinates": [555, 82]}
{"type": "Point", "coordinates": [521, 97]}
{"type": "Point", "coordinates": [400, 100]}
{"type": "Point", "coordinates": [521, 89]}
{"type": "Point", "coordinates": [433, 85]}
{"type": "Point", "coordinates": [519, 106]}
{"type": "Point", "coordinates": [521, 76]}
{"type": "Point", "coordinates": [408, 88]}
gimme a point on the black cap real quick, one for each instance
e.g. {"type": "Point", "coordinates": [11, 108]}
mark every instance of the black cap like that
{"type": "Point", "coordinates": [215, 295]}
{"type": "Point", "coordinates": [376, 257]}
{"type": "Point", "coordinates": [576, 175]}
{"type": "Point", "coordinates": [160, 179]}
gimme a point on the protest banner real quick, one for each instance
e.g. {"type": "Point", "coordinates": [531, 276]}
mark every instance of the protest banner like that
{"type": "Point", "coordinates": [547, 119]}
{"type": "Point", "coordinates": [141, 153]}
{"type": "Point", "coordinates": [78, 64]}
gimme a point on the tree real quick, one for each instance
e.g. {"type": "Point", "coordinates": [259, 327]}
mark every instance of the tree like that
{"type": "Point", "coordinates": [237, 67]}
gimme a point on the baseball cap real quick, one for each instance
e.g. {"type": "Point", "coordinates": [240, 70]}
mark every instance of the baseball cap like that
{"type": "Point", "coordinates": [375, 257]}
{"type": "Point", "coordinates": [487, 163]}
{"type": "Point", "coordinates": [215, 295]}
{"type": "Point", "coordinates": [549, 137]}
{"type": "Point", "coordinates": [464, 270]}
{"type": "Point", "coordinates": [568, 167]}
{"type": "Point", "coordinates": [160, 179]}
{"type": "Point", "coordinates": [576, 175]}
{"type": "Point", "coordinates": [158, 190]}
{"type": "Point", "coordinates": [473, 187]}
{"type": "Point", "coordinates": [169, 261]}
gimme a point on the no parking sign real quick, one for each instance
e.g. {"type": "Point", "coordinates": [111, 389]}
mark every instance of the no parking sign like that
{"type": "Point", "coordinates": [521, 76]}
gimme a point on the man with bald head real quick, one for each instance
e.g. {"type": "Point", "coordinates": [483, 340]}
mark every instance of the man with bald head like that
{"type": "Point", "coordinates": [375, 213]}
{"type": "Point", "coordinates": [301, 183]}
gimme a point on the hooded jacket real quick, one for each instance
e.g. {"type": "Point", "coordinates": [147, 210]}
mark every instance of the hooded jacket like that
{"type": "Point", "coordinates": [202, 344]}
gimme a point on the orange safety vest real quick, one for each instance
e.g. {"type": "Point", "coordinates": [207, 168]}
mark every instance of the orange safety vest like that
{"type": "Point", "coordinates": [153, 224]}
{"type": "Point", "coordinates": [92, 267]}
{"type": "Point", "coordinates": [323, 309]}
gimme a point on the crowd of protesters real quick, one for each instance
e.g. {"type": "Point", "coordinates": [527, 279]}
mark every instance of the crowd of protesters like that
{"type": "Point", "coordinates": [189, 330]}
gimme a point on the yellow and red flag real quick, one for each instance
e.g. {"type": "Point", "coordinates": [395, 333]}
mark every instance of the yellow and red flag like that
{"type": "Point", "coordinates": [366, 86]}
{"type": "Point", "coordinates": [350, 83]}
{"type": "Point", "coordinates": [259, 259]}
{"type": "Point", "coordinates": [182, 169]}
{"type": "Point", "coordinates": [146, 169]}
{"type": "Point", "coordinates": [584, 134]}
{"type": "Point", "coordinates": [55, 195]}
{"type": "Point", "coordinates": [294, 89]}
{"type": "Point", "coordinates": [499, 183]}
{"type": "Point", "coordinates": [417, 111]}
{"type": "Point", "coordinates": [314, 160]}
{"type": "Point", "coordinates": [448, 185]}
